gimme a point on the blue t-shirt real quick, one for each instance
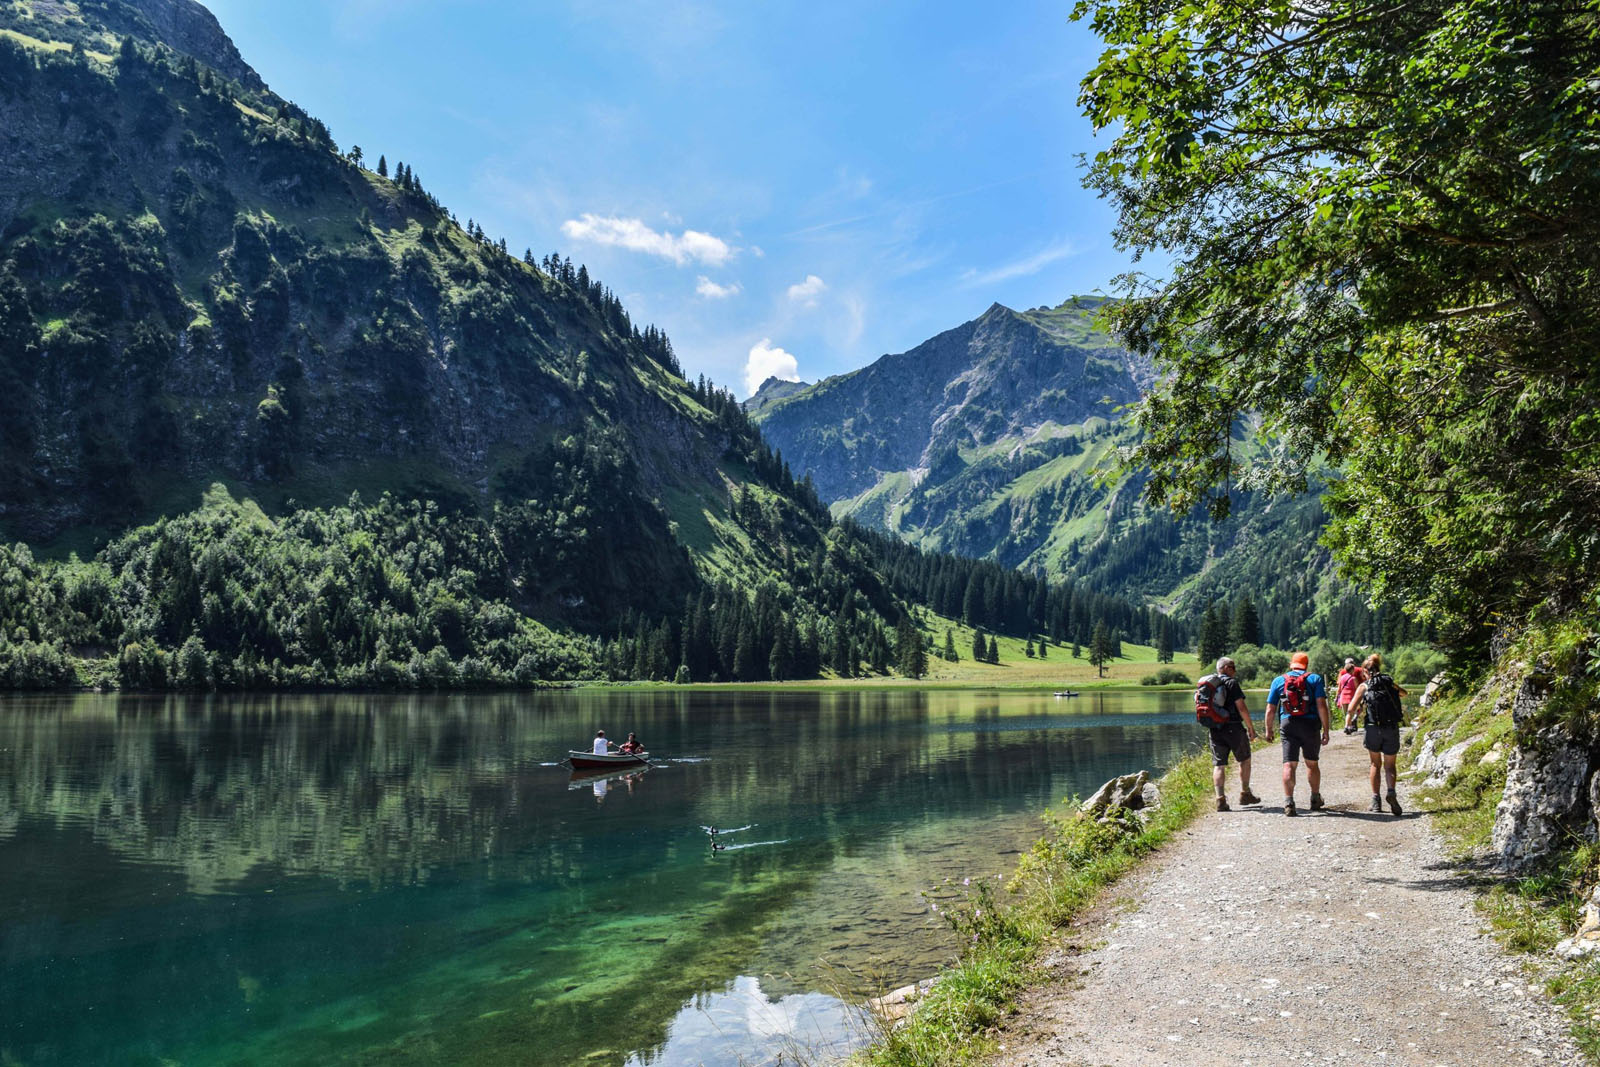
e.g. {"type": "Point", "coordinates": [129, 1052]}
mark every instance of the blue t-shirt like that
{"type": "Point", "coordinates": [1315, 691]}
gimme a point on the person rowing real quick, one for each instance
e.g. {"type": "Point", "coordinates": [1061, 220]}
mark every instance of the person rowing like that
{"type": "Point", "coordinates": [632, 746]}
{"type": "Point", "coordinates": [602, 747]}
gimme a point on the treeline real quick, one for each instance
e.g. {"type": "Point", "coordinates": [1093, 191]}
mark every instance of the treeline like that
{"type": "Point", "coordinates": [988, 596]}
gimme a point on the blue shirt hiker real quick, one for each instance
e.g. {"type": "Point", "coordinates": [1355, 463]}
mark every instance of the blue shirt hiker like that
{"type": "Point", "coordinates": [1298, 701]}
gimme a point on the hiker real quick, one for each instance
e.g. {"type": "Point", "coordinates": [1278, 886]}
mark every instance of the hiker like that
{"type": "Point", "coordinates": [1380, 697]}
{"type": "Point", "coordinates": [1219, 704]}
{"type": "Point", "coordinates": [1349, 678]}
{"type": "Point", "coordinates": [602, 747]}
{"type": "Point", "coordinates": [632, 746]}
{"type": "Point", "coordinates": [1299, 701]}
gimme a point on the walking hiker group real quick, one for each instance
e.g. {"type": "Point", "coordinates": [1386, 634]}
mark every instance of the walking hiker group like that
{"type": "Point", "coordinates": [1297, 708]}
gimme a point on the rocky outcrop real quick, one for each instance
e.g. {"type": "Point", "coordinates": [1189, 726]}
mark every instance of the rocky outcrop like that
{"type": "Point", "coordinates": [1548, 782]}
{"type": "Point", "coordinates": [184, 26]}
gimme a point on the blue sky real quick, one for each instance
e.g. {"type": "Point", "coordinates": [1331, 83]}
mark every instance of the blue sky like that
{"type": "Point", "coordinates": [793, 187]}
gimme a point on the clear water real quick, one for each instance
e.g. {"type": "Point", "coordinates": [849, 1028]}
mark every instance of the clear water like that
{"type": "Point", "coordinates": [415, 880]}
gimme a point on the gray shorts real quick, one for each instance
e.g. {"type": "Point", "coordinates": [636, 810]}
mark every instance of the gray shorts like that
{"type": "Point", "coordinates": [1384, 739]}
{"type": "Point", "coordinates": [1229, 738]}
{"type": "Point", "coordinates": [1302, 739]}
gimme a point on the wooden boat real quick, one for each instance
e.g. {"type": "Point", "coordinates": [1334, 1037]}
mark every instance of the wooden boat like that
{"type": "Point", "coordinates": [591, 761]}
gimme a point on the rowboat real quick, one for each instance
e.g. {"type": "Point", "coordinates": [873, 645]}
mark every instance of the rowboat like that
{"type": "Point", "coordinates": [1065, 693]}
{"type": "Point", "coordinates": [593, 761]}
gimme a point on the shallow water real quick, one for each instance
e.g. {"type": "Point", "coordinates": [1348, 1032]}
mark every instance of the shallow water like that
{"type": "Point", "coordinates": [376, 880]}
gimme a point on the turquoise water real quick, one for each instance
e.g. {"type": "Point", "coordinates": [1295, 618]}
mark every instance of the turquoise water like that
{"type": "Point", "coordinates": [415, 880]}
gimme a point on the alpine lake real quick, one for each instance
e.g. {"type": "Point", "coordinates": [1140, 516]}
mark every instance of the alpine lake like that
{"type": "Point", "coordinates": [358, 879]}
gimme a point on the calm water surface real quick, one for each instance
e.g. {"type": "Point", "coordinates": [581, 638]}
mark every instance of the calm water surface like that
{"type": "Point", "coordinates": [414, 880]}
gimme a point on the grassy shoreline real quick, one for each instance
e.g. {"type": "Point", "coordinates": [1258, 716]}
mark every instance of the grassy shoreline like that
{"type": "Point", "coordinates": [1006, 932]}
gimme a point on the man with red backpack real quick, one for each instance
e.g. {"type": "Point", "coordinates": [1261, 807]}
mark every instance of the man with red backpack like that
{"type": "Point", "coordinates": [1219, 705]}
{"type": "Point", "coordinates": [1299, 701]}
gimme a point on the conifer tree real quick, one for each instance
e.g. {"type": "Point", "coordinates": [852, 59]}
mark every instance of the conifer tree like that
{"type": "Point", "coordinates": [1100, 648]}
{"type": "Point", "coordinates": [980, 647]}
{"type": "Point", "coordinates": [383, 166]}
{"type": "Point", "coordinates": [994, 650]}
{"type": "Point", "coordinates": [950, 646]}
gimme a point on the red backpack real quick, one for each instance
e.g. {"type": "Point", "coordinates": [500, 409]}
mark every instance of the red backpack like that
{"type": "Point", "coordinates": [1297, 702]}
{"type": "Point", "coordinates": [1208, 706]}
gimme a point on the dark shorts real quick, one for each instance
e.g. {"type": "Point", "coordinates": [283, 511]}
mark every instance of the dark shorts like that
{"type": "Point", "coordinates": [1385, 739]}
{"type": "Point", "coordinates": [1302, 740]}
{"type": "Point", "coordinates": [1230, 737]}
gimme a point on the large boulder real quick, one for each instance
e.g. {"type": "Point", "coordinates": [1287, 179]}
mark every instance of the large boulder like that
{"type": "Point", "coordinates": [1133, 792]}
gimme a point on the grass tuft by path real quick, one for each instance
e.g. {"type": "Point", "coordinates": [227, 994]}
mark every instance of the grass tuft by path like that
{"type": "Point", "coordinates": [1005, 931]}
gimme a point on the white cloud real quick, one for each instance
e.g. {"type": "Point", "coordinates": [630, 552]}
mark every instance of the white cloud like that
{"type": "Point", "coordinates": [712, 291]}
{"type": "Point", "coordinates": [635, 236]}
{"type": "Point", "coordinates": [805, 293]}
{"type": "Point", "coordinates": [1021, 268]}
{"type": "Point", "coordinates": [768, 361]}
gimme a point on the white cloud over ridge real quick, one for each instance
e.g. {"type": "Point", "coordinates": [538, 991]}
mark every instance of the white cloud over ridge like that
{"type": "Point", "coordinates": [712, 291]}
{"type": "Point", "coordinates": [635, 236]}
{"type": "Point", "coordinates": [767, 360]}
{"type": "Point", "coordinates": [805, 293]}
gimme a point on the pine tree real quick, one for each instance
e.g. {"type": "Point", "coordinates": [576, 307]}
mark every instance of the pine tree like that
{"type": "Point", "coordinates": [1164, 641]}
{"type": "Point", "coordinates": [1044, 649]}
{"type": "Point", "coordinates": [1028, 649]}
{"type": "Point", "coordinates": [1246, 623]}
{"type": "Point", "coordinates": [1100, 648]}
{"type": "Point", "coordinates": [994, 651]}
{"type": "Point", "coordinates": [383, 166]}
{"type": "Point", "coordinates": [950, 646]}
{"type": "Point", "coordinates": [980, 647]}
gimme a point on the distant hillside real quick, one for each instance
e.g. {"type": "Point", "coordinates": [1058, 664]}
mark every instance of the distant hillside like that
{"type": "Point", "coordinates": [772, 390]}
{"type": "Point", "coordinates": [990, 441]}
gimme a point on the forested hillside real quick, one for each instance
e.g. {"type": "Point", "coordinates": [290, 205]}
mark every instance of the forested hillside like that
{"type": "Point", "coordinates": [304, 428]}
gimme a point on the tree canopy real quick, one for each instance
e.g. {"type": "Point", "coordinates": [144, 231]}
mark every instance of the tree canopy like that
{"type": "Point", "coordinates": [1382, 226]}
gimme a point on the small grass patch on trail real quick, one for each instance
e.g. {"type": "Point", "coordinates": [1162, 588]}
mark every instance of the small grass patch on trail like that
{"type": "Point", "coordinates": [1004, 930]}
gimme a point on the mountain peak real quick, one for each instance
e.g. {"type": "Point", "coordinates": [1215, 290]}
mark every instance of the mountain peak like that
{"type": "Point", "coordinates": [184, 26]}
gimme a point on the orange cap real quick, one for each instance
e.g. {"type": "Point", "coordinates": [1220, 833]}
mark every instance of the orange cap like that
{"type": "Point", "coordinates": [1300, 659]}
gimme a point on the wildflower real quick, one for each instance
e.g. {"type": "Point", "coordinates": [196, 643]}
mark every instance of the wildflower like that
{"type": "Point", "coordinates": [966, 881]}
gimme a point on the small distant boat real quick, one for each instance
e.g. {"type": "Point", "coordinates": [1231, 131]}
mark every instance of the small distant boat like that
{"type": "Point", "coordinates": [593, 761]}
{"type": "Point", "coordinates": [1066, 693]}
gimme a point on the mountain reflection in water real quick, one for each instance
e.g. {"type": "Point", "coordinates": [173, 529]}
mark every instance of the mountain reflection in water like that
{"type": "Point", "coordinates": [286, 879]}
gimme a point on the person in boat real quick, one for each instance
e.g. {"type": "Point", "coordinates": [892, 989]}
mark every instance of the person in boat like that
{"type": "Point", "coordinates": [602, 747]}
{"type": "Point", "coordinates": [632, 746]}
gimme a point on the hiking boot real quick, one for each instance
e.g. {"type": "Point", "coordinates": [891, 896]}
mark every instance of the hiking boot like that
{"type": "Point", "coordinates": [1377, 805]}
{"type": "Point", "coordinates": [1316, 801]}
{"type": "Point", "coordinates": [1288, 807]}
{"type": "Point", "coordinates": [1222, 804]}
{"type": "Point", "coordinates": [1248, 797]}
{"type": "Point", "coordinates": [1394, 802]}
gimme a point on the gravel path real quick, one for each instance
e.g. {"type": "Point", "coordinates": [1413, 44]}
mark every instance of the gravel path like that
{"type": "Point", "coordinates": [1334, 937]}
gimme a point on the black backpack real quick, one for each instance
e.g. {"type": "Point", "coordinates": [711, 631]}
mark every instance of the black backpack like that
{"type": "Point", "coordinates": [1383, 701]}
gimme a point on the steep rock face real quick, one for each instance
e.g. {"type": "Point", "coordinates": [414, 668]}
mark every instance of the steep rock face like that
{"type": "Point", "coordinates": [184, 26]}
{"type": "Point", "coordinates": [968, 387]}
{"type": "Point", "coordinates": [1549, 779]}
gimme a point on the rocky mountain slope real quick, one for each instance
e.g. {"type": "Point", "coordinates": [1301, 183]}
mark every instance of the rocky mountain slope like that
{"type": "Point", "coordinates": [991, 439]}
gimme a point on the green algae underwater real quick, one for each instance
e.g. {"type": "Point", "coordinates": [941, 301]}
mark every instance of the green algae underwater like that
{"type": "Point", "coordinates": [407, 880]}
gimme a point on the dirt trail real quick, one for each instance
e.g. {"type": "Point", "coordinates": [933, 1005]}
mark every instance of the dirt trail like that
{"type": "Point", "coordinates": [1333, 937]}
